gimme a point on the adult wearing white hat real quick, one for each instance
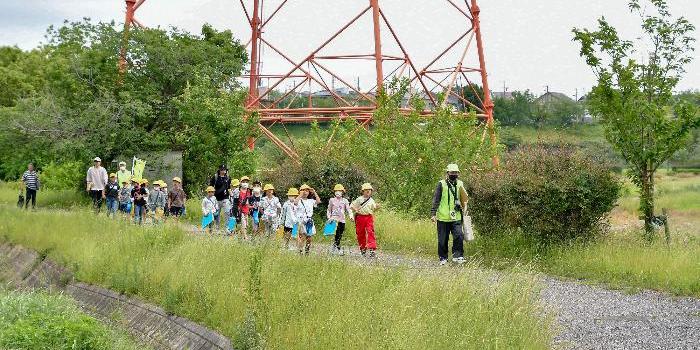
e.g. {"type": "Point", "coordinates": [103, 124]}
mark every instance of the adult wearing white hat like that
{"type": "Point", "coordinates": [96, 182]}
{"type": "Point", "coordinates": [123, 175]}
{"type": "Point", "coordinates": [449, 199]}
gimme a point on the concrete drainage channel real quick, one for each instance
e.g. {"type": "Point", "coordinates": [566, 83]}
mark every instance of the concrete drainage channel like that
{"type": "Point", "coordinates": [23, 268]}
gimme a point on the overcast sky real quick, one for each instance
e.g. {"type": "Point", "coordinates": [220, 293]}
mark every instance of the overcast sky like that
{"type": "Point", "coordinates": [528, 43]}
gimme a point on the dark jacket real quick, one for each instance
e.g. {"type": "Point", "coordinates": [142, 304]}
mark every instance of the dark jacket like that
{"type": "Point", "coordinates": [112, 190]}
{"type": "Point", "coordinates": [221, 184]}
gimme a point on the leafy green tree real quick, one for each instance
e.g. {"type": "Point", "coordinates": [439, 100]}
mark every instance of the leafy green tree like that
{"type": "Point", "coordinates": [75, 105]}
{"type": "Point", "coordinates": [516, 111]}
{"type": "Point", "coordinates": [407, 154]}
{"type": "Point", "coordinates": [635, 100]}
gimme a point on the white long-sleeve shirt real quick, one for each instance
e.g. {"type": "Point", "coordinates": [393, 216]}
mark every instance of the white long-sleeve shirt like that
{"type": "Point", "coordinates": [97, 177]}
{"type": "Point", "coordinates": [209, 206]}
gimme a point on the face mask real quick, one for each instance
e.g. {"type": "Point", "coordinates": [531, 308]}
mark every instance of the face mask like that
{"type": "Point", "coordinates": [453, 177]}
{"type": "Point", "coordinates": [122, 168]}
{"type": "Point", "coordinates": [244, 185]}
{"type": "Point", "coordinates": [339, 194]}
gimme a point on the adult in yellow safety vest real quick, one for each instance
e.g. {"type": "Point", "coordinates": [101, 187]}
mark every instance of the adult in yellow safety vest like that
{"type": "Point", "coordinates": [449, 199]}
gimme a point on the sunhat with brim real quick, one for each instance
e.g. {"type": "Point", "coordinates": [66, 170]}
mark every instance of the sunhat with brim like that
{"type": "Point", "coordinates": [245, 178]}
{"type": "Point", "coordinates": [268, 187]}
{"type": "Point", "coordinates": [177, 179]}
{"type": "Point", "coordinates": [210, 189]}
{"type": "Point", "coordinates": [293, 192]}
{"type": "Point", "coordinates": [163, 184]}
{"type": "Point", "coordinates": [133, 179]}
{"type": "Point", "coordinates": [96, 159]}
{"type": "Point", "coordinates": [144, 181]}
{"type": "Point", "coordinates": [235, 183]}
{"type": "Point", "coordinates": [452, 168]}
{"type": "Point", "coordinates": [157, 183]}
{"type": "Point", "coordinates": [367, 186]}
{"type": "Point", "coordinates": [339, 187]}
{"type": "Point", "coordinates": [112, 175]}
{"type": "Point", "coordinates": [122, 163]}
{"type": "Point", "coordinates": [304, 187]}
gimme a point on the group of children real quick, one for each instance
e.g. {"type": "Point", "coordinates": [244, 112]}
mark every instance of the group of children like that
{"type": "Point", "coordinates": [137, 199]}
{"type": "Point", "coordinates": [294, 218]}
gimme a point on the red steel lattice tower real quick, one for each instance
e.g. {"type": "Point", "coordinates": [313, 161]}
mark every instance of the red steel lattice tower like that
{"type": "Point", "coordinates": [276, 107]}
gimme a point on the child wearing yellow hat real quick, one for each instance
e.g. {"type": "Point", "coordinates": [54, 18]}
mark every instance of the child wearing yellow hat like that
{"type": "Point", "coordinates": [309, 200]}
{"type": "Point", "coordinates": [210, 209]}
{"type": "Point", "coordinates": [338, 206]}
{"type": "Point", "coordinates": [364, 207]}
{"type": "Point", "coordinates": [290, 216]}
{"type": "Point", "coordinates": [112, 195]}
{"type": "Point", "coordinates": [156, 202]}
{"type": "Point", "coordinates": [177, 198]}
{"type": "Point", "coordinates": [270, 209]}
{"type": "Point", "coordinates": [140, 202]}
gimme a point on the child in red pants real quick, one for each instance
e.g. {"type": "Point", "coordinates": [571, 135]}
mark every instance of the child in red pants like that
{"type": "Point", "coordinates": [364, 207]}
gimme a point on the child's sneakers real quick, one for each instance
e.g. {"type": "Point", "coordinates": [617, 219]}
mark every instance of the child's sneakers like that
{"type": "Point", "coordinates": [459, 260]}
{"type": "Point", "coordinates": [443, 262]}
{"type": "Point", "coordinates": [372, 253]}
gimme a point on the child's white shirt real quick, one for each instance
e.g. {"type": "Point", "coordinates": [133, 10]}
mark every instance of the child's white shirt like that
{"type": "Point", "coordinates": [209, 206]}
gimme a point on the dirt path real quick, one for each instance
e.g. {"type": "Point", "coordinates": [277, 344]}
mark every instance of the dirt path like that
{"type": "Point", "coordinates": [587, 317]}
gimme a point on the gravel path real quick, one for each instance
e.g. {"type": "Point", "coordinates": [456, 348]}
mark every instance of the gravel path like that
{"type": "Point", "coordinates": [590, 317]}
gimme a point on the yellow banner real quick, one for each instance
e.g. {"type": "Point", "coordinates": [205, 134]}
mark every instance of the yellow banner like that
{"type": "Point", "coordinates": [138, 168]}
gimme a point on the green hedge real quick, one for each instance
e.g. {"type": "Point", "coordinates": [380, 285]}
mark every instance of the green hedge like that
{"type": "Point", "coordinates": [552, 193]}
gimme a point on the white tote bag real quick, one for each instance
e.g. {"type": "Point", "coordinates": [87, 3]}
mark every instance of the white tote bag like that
{"type": "Point", "coordinates": [467, 228]}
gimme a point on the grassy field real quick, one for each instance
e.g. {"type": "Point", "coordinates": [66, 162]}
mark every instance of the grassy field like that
{"type": "Point", "coordinates": [261, 295]}
{"type": "Point", "coordinates": [619, 259]}
{"type": "Point", "coordinates": [45, 321]}
{"type": "Point", "coordinates": [573, 134]}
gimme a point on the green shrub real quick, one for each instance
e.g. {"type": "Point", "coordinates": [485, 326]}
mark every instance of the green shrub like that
{"type": "Point", "coordinates": [63, 176]}
{"type": "Point", "coordinates": [553, 193]}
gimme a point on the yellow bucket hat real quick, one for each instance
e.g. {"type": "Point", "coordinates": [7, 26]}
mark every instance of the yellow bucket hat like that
{"type": "Point", "coordinates": [268, 187]}
{"type": "Point", "coordinates": [177, 179]}
{"type": "Point", "coordinates": [339, 187]}
{"type": "Point", "coordinates": [235, 183]}
{"type": "Point", "coordinates": [293, 192]}
{"type": "Point", "coordinates": [367, 186]}
{"type": "Point", "coordinates": [304, 187]}
{"type": "Point", "coordinates": [210, 189]}
{"type": "Point", "coordinates": [245, 178]}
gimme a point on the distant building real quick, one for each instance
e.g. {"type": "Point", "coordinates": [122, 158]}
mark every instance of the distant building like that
{"type": "Point", "coordinates": [508, 95]}
{"type": "Point", "coordinates": [552, 96]}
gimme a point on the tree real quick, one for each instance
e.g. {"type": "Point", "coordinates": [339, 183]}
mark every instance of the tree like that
{"type": "Point", "coordinates": [73, 106]}
{"type": "Point", "coordinates": [516, 111]}
{"type": "Point", "coordinates": [634, 100]}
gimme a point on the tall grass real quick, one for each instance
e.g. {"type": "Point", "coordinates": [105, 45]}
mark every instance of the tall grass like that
{"type": "Point", "coordinates": [289, 301]}
{"type": "Point", "coordinates": [66, 199]}
{"type": "Point", "coordinates": [629, 261]}
{"type": "Point", "coordinates": [44, 321]}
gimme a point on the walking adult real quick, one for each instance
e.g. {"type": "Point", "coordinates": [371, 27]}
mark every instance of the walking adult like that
{"type": "Point", "coordinates": [222, 185]}
{"type": "Point", "coordinates": [449, 199]}
{"type": "Point", "coordinates": [123, 174]}
{"type": "Point", "coordinates": [30, 180]}
{"type": "Point", "coordinates": [96, 183]}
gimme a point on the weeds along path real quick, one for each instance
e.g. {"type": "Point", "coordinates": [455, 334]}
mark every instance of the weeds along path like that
{"type": "Point", "coordinates": [588, 316]}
